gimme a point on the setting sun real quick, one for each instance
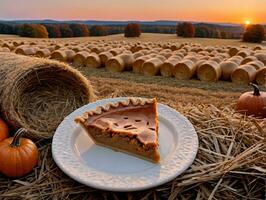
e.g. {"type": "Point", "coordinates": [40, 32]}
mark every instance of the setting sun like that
{"type": "Point", "coordinates": [247, 22]}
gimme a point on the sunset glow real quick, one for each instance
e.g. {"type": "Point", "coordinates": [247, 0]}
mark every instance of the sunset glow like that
{"type": "Point", "coordinates": [237, 11]}
{"type": "Point", "coordinates": [247, 22]}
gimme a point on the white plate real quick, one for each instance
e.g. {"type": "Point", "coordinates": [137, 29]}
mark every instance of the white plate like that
{"type": "Point", "coordinates": [102, 168]}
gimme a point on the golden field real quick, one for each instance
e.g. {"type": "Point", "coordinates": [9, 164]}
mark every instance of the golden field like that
{"type": "Point", "coordinates": [230, 163]}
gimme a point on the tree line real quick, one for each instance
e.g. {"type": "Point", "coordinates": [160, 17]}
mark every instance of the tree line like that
{"type": "Point", "coordinates": [252, 33]}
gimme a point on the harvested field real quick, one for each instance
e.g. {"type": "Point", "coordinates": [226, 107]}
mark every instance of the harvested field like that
{"type": "Point", "coordinates": [230, 164]}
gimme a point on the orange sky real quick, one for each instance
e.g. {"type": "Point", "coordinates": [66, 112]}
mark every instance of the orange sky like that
{"type": "Point", "coordinates": [236, 11]}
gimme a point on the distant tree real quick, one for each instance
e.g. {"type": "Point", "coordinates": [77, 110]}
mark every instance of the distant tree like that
{"type": "Point", "coordinates": [32, 30]}
{"type": "Point", "coordinates": [66, 31]}
{"type": "Point", "coordinates": [185, 29]}
{"type": "Point", "coordinates": [203, 32]}
{"type": "Point", "coordinates": [254, 33]}
{"type": "Point", "coordinates": [25, 30]}
{"type": "Point", "coordinates": [79, 30]}
{"type": "Point", "coordinates": [132, 30]}
{"type": "Point", "coordinates": [96, 30]}
{"type": "Point", "coordinates": [216, 34]}
{"type": "Point", "coordinates": [39, 31]}
{"type": "Point", "coordinates": [53, 30]}
{"type": "Point", "coordinates": [6, 29]}
{"type": "Point", "coordinates": [224, 35]}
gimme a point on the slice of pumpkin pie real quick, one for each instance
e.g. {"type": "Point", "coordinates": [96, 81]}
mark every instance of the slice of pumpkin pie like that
{"type": "Point", "coordinates": [129, 126]}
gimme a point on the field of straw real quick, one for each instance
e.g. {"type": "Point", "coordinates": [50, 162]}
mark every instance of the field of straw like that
{"type": "Point", "coordinates": [230, 164]}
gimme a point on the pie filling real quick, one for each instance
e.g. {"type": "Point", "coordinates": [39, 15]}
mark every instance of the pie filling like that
{"type": "Point", "coordinates": [130, 126]}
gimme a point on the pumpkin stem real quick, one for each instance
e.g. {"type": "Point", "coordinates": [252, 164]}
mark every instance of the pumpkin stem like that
{"type": "Point", "coordinates": [256, 89]}
{"type": "Point", "coordinates": [17, 136]}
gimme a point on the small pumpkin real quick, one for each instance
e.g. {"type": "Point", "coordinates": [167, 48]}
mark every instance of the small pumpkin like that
{"type": "Point", "coordinates": [18, 156]}
{"type": "Point", "coordinates": [252, 103]}
{"type": "Point", "coordinates": [3, 130]}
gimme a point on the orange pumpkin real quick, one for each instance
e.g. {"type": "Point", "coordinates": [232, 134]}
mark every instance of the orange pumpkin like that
{"type": "Point", "coordinates": [3, 130]}
{"type": "Point", "coordinates": [18, 156]}
{"type": "Point", "coordinates": [253, 103]}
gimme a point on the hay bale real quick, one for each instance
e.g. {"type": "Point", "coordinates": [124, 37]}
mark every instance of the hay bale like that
{"type": "Point", "coordinates": [4, 49]}
{"type": "Point", "coordinates": [152, 66]}
{"type": "Point", "coordinates": [105, 56]}
{"type": "Point", "coordinates": [137, 54]}
{"type": "Point", "coordinates": [233, 51]}
{"type": "Point", "coordinates": [37, 94]}
{"type": "Point", "coordinates": [120, 63]}
{"type": "Point", "coordinates": [261, 76]}
{"type": "Point", "coordinates": [261, 57]}
{"type": "Point", "coordinates": [25, 50]}
{"type": "Point", "coordinates": [79, 60]}
{"type": "Point", "coordinates": [167, 67]}
{"type": "Point", "coordinates": [116, 51]}
{"type": "Point", "coordinates": [216, 59]}
{"type": "Point", "coordinates": [209, 71]}
{"type": "Point", "coordinates": [258, 47]}
{"type": "Point", "coordinates": [64, 55]}
{"type": "Point", "coordinates": [248, 59]}
{"type": "Point", "coordinates": [257, 64]}
{"type": "Point", "coordinates": [184, 69]}
{"type": "Point", "coordinates": [93, 61]}
{"type": "Point", "coordinates": [244, 53]}
{"type": "Point", "coordinates": [244, 74]}
{"type": "Point", "coordinates": [9, 45]}
{"type": "Point", "coordinates": [194, 59]}
{"type": "Point", "coordinates": [137, 64]}
{"type": "Point", "coordinates": [227, 68]}
{"type": "Point", "coordinates": [43, 53]}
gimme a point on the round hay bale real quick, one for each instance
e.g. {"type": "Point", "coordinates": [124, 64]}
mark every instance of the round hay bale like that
{"type": "Point", "coordinates": [184, 69]}
{"type": "Point", "coordinates": [152, 66]}
{"type": "Point", "coordinates": [64, 55]}
{"type": "Point", "coordinates": [244, 53]}
{"type": "Point", "coordinates": [258, 47]}
{"type": "Point", "coordinates": [261, 57]}
{"type": "Point", "coordinates": [116, 51]}
{"type": "Point", "coordinates": [137, 64]}
{"type": "Point", "coordinates": [51, 48]}
{"type": "Point", "coordinates": [166, 54]}
{"type": "Point", "coordinates": [227, 68]}
{"type": "Point", "coordinates": [9, 45]}
{"type": "Point", "coordinates": [105, 56]}
{"type": "Point", "coordinates": [161, 57]}
{"type": "Point", "coordinates": [93, 61]}
{"type": "Point", "coordinates": [37, 94]}
{"type": "Point", "coordinates": [79, 60]}
{"type": "Point", "coordinates": [59, 55]}
{"type": "Point", "coordinates": [248, 59]}
{"type": "Point", "coordinates": [233, 51]}
{"type": "Point", "coordinates": [120, 63]}
{"type": "Point", "coordinates": [257, 64]}
{"type": "Point", "coordinates": [4, 49]}
{"type": "Point", "coordinates": [43, 53]}
{"type": "Point", "coordinates": [137, 55]}
{"type": "Point", "coordinates": [167, 67]}
{"type": "Point", "coordinates": [244, 74]}
{"type": "Point", "coordinates": [261, 76]}
{"type": "Point", "coordinates": [25, 50]}
{"type": "Point", "coordinates": [192, 58]}
{"type": "Point", "coordinates": [235, 60]}
{"type": "Point", "coordinates": [17, 43]}
{"type": "Point", "coordinates": [209, 71]}
{"type": "Point", "coordinates": [216, 59]}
